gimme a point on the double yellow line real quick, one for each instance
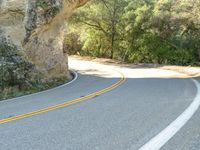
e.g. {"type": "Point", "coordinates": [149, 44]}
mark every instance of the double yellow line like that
{"type": "Point", "coordinates": [65, 104]}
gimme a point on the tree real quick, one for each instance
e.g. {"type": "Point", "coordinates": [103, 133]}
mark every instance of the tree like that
{"type": "Point", "coordinates": [148, 31]}
{"type": "Point", "coordinates": [102, 19]}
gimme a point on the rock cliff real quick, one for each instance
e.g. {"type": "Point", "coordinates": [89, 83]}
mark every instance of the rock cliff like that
{"type": "Point", "coordinates": [37, 28]}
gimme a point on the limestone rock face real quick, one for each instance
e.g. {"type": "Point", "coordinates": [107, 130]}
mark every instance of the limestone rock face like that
{"type": "Point", "coordinates": [12, 14]}
{"type": "Point", "coordinates": [37, 28]}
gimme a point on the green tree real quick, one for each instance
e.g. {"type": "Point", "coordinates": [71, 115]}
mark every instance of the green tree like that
{"type": "Point", "coordinates": [102, 21]}
{"type": "Point", "coordinates": [147, 31]}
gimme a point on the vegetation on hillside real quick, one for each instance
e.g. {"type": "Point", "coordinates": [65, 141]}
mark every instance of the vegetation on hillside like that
{"type": "Point", "coordinates": [18, 76]}
{"type": "Point", "coordinates": [146, 31]}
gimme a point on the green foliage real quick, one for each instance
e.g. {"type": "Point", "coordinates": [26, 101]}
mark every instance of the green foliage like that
{"type": "Point", "coordinates": [50, 8]}
{"type": "Point", "coordinates": [147, 31]}
{"type": "Point", "coordinates": [36, 86]}
{"type": "Point", "coordinates": [72, 43]}
{"type": "Point", "coordinates": [17, 76]}
{"type": "Point", "coordinates": [42, 4]}
{"type": "Point", "coordinates": [101, 24]}
{"type": "Point", "coordinates": [14, 70]}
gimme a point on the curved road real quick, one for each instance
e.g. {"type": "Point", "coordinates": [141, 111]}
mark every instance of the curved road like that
{"type": "Point", "coordinates": [120, 114]}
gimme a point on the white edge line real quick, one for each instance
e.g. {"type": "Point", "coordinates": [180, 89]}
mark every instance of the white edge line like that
{"type": "Point", "coordinates": [74, 79]}
{"type": "Point", "coordinates": [165, 135]}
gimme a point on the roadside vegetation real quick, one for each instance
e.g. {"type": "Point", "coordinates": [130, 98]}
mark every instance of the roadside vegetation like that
{"type": "Point", "coordinates": [17, 76]}
{"type": "Point", "coordinates": [34, 87]}
{"type": "Point", "coordinates": [144, 31]}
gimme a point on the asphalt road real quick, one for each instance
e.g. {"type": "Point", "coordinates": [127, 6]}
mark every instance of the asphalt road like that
{"type": "Point", "coordinates": [125, 116]}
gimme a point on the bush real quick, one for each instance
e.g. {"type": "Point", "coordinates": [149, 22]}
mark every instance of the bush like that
{"type": "Point", "coordinates": [14, 69]}
{"type": "Point", "coordinates": [18, 77]}
{"type": "Point", "coordinates": [72, 43]}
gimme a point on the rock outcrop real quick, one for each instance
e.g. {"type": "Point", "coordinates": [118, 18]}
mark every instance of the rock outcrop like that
{"type": "Point", "coordinates": [37, 28]}
{"type": "Point", "coordinates": [12, 14]}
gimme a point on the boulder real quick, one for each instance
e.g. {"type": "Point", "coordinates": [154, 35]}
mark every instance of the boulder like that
{"type": "Point", "coordinates": [37, 28]}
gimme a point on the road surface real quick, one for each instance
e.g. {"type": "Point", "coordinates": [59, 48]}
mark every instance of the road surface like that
{"type": "Point", "coordinates": [106, 108]}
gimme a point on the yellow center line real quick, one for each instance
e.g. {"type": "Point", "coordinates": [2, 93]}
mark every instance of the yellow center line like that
{"type": "Point", "coordinates": [65, 104]}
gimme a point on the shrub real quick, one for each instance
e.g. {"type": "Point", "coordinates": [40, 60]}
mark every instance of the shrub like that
{"type": "Point", "coordinates": [14, 69]}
